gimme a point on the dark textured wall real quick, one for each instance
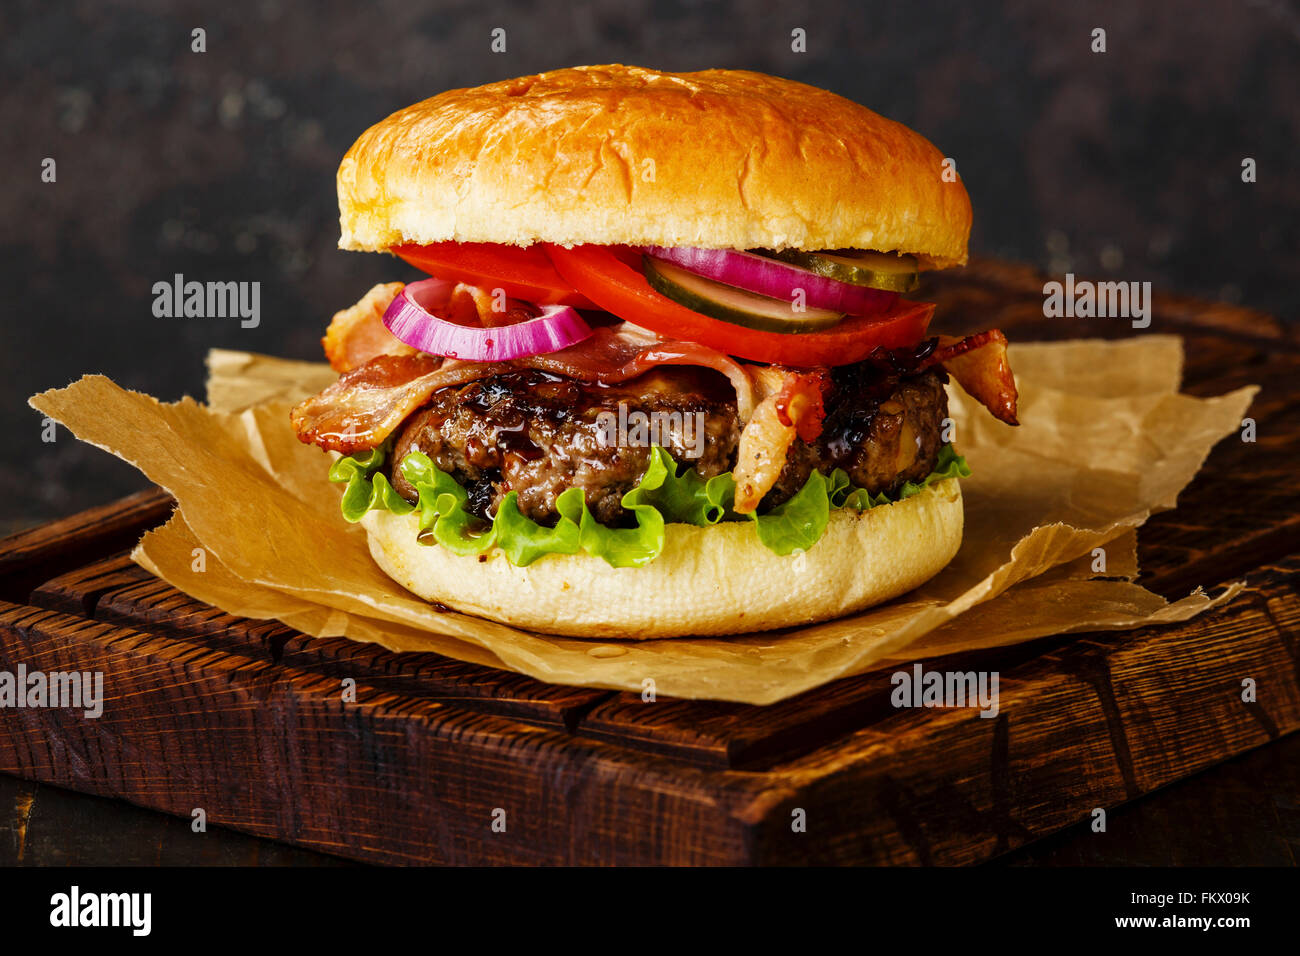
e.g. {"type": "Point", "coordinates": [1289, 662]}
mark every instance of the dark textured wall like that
{"type": "Point", "coordinates": [220, 165]}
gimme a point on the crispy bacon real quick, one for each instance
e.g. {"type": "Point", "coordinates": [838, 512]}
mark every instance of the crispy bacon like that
{"type": "Point", "coordinates": [979, 364]}
{"type": "Point", "coordinates": [471, 305]}
{"type": "Point", "coordinates": [801, 401]}
{"type": "Point", "coordinates": [357, 334]}
{"type": "Point", "coordinates": [791, 405]}
{"type": "Point", "coordinates": [369, 402]}
{"type": "Point", "coordinates": [385, 381]}
{"type": "Point", "coordinates": [616, 354]}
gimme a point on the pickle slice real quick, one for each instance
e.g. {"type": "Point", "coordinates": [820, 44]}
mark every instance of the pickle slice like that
{"type": "Point", "coordinates": [878, 270]}
{"type": "Point", "coordinates": [725, 302]}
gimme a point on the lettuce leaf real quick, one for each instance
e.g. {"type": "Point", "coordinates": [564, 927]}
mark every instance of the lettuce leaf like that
{"type": "Point", "coordinates": [948, 465]}
{"type": "Point", "coordinates": [843, 495]}
{"type": "Point", "coordinates": [367, 489]}
{"type": "Point", "coordinates": [442, 506]}
{"type": "Point", "coordinates": [666, 494]}
{"type": "Point", "coordinates": [798, 522]}
{"type": "Point", "coordinates": [682, 497]}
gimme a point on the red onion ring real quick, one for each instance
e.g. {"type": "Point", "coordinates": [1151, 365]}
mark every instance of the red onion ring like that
{"type": "Point", "coordinates": [410, 319]}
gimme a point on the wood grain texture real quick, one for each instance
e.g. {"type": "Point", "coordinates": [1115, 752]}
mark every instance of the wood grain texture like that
{"type": "Point", "coordinates": [1245, 813]}
{"type": "Point", "coordinates": [153, 605]}
{"type": "Point", "coordinates": [78, 591]}
{"type": "Point", "coordinates": [248, 720]}
{"type": "Point", "coordinates": [1089, 725]}
{"type": "Point", "coordinates": [275, 751]}
{"type": "Point", "coordinates": [42, 825]}
{"type": "Point", "coordinates": [33, 556]}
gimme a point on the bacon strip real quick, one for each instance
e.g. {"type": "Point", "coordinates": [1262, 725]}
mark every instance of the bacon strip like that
{"type": "Point", "coordinates": [367, 404]}
{"type": "Point", "coordinates": [791, 406]}
{"type": "Point", "coordinates": [370, 400]}
{"type": "Point", "coordinates": [618, 353]}
{"type": "Point", "coordinates": [385, 381]}
{"type": "Point", "coordinates": [358, 334]}
{"type": "Point", "coordinates": [979, 364]}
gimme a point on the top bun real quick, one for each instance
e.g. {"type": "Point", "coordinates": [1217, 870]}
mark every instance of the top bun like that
{"type": "Point", "coordinates": [618, 155]}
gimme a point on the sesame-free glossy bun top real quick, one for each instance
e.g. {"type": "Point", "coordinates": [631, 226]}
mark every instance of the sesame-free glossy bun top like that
{"type": "Point", "coordinates": [619, 155]}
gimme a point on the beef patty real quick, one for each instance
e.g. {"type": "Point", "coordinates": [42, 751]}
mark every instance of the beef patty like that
{"type": "Point", "coordinates": [538, 434]}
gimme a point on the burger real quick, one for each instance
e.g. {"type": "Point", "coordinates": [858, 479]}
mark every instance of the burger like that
{"type": "Point", "coordinates": [661, 376]}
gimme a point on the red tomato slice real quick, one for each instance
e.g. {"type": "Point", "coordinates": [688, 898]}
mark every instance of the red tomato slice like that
{"type": "Point", "coordinates": [524, 272]}
{"type": "Point", "coordinates": [604, 276]}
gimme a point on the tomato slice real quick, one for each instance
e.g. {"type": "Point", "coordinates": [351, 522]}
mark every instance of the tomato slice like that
{"type": "Point", "coordinates": [524, 272]}
{"type": "Point", "coordinates": [608, 277]}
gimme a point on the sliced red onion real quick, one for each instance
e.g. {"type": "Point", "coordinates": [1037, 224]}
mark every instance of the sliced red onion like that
{"type": "Point", "coordinates": [410, 317]}
{"type": "Point", "coordinates": [776, 279]}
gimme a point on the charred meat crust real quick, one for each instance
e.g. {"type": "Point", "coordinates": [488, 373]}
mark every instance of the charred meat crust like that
{"type": "Point", "coordinates": [539, 434]}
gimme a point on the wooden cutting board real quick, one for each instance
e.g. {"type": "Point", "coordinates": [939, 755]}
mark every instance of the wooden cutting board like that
{"type": "Point", "coordinates": [443, 762]}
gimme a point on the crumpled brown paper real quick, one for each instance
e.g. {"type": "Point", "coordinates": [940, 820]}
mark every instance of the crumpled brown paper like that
{"type": "Point", "coordinates": [1106, 440]}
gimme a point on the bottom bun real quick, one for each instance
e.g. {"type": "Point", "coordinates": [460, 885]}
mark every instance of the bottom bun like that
{"type": "Point", "coordinates": [707, 581]}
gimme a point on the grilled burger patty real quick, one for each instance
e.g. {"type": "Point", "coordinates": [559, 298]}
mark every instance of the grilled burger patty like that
{"type": "Point", "coordinates": [539, 434]}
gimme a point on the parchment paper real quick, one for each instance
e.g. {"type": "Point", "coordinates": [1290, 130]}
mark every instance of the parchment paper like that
{"type": "Point", "coordinates": [1106, 440]}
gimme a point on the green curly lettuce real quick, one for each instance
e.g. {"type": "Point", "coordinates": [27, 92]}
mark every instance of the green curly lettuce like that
{"type": "Point", "coordinates": [843, 495]}
{"type": "Point", "coordinates": [666, 494]}
{"type": "Point", "coordinates": [366, 487]}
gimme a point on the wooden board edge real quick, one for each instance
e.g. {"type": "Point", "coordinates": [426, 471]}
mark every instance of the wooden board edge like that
{"type": "Point", "coordinates": [394, 780]}
{"type": "Point", "coordinates": [884, 800]}
{"type": "Point", "coordinates": [31, 557]}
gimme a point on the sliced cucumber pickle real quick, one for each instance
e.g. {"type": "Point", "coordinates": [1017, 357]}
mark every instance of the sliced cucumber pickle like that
{"type": "Point", "coordinates": [878, 270]}
{"type": "Point", "coordinates": [725, 302]}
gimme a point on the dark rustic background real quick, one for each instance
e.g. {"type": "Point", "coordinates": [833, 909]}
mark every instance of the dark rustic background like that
{"type": "Point", "coordinates": [220, 165]}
